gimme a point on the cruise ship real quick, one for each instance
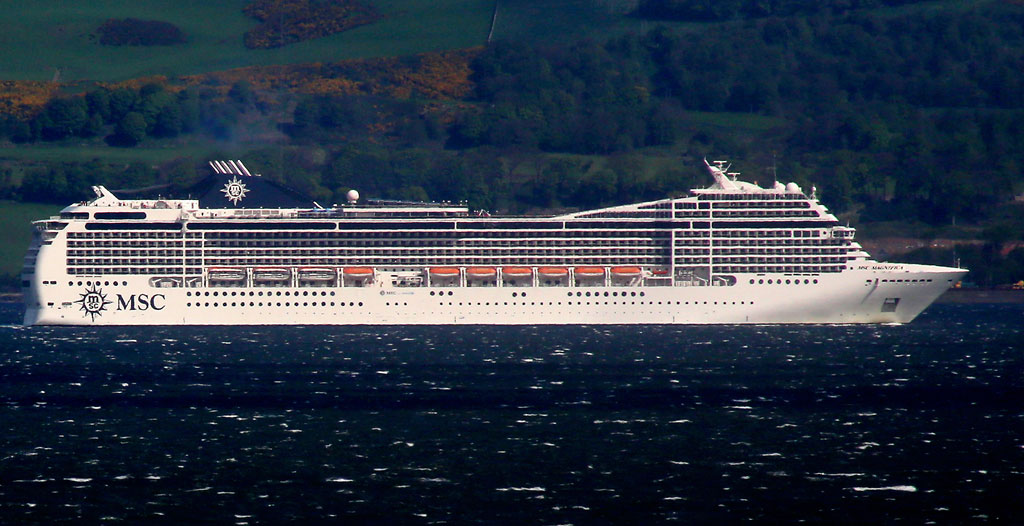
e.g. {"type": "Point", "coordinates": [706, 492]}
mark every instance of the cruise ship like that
{"type": "Point", "coordinates": [731, 253]}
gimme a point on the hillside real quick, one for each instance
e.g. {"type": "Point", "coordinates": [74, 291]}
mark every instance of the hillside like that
{"type": "Point", "coordinates": [62, 38]}
{"type": "Point", "coordinates": [905, 114]}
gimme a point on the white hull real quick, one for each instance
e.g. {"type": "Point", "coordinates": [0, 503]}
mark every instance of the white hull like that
{"type": "Point", "coordinates": [853, 296]}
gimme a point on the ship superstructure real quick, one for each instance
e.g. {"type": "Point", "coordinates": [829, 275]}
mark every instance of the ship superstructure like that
{"type": "Point", "coordinates": [730, 253]}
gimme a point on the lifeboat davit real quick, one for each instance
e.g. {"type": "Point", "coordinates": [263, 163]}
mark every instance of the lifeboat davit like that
{"type": "Point", "coordinates": [358, 272]}
{"type": "Point", "coordinates": [589, 272]}
{"type": "Point", "coordinates": [516, 272]}
{"type": "Point", "coordinates": [626, 272]}
{"type": "Point", "coordinates": [227, 274]}
{"type": "Point", "coordinates": [481, 272]}
{"type": "Point", "coordinates": [553, 272]}
{"type": "Point", "coordinates": [444, 272]}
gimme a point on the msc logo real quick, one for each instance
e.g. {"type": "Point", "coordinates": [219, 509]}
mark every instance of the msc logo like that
{"type": "Point", "coordinates": [234, 190]}
{"type": "Point", "coordinates": [94, 302]}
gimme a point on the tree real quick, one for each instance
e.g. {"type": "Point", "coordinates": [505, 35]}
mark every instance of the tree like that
{"type": "Point", "coordinates": [99, 103]}
{"type": "Point", "coordinates": [93, 127]}
{"type": "Point", "coordinates": [63, 118]}
{"type": "Point", "coordinates": [170, 121]}
{"type": "Point", "coordinates": [44, 185]}
{"type": "Point", "coordinates": [131, 130]}
{"type": "Point", "coordinates": [121, 102]}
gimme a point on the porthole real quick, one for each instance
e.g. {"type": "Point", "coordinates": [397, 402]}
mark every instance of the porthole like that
{"type": "Point", "coordinates": [515, 294]}
{"type": "Point", "coordinates": [751, 282]}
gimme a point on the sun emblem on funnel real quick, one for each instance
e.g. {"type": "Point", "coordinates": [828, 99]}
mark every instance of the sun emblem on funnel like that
{"type": "Point", "coordinates": [93, 302]}
{"type": "Point", "coordinates": [234, 190]}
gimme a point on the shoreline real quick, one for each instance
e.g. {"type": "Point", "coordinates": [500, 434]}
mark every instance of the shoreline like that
{"type": "Point", "coordinates": [954, 296]}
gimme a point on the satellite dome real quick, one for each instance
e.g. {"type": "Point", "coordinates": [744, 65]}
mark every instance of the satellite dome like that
{"type": "Point", "coordinates": [352, 196]}
{"type": "Point", "coordinates": [793, 188]}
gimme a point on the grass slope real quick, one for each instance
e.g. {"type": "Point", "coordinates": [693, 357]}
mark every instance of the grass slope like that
{"type": "Point", "coordinates": [58, 35]}
{"type": "Point", "coordinates": [16, 233]}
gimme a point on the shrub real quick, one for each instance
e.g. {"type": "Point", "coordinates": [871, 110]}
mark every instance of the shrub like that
{"type": "Point", "coordinates": [135, 32]}
{"type": "Point", "coordinates": [288, 21]}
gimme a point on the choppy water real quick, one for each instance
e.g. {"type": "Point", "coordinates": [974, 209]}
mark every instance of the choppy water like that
{"type": "Point", "coordinates": [922, 423]}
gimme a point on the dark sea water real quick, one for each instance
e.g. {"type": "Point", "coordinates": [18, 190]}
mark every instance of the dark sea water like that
{"type": "Point", "coordinates": [914, 424]}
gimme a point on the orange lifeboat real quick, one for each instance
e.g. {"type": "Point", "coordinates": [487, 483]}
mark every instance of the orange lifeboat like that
{"type": "Point", "coordinates": [358, 272]}
{"type": "Point", "coordinates": [516, 272]}
{"type": "Point", "coordinates": [553, 272]}
{"type": "Point", "coordinates": [626, 272]}
{"type": "Point", "coordinates": [444, 272]}
{"type": "Point", "coordinates": [589, 272]}
{"type": "Point", "coordinates": [481, 272]}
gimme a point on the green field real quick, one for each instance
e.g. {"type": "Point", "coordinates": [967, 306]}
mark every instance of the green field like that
{"type": "Point", "coordinates": [52, 35]}
{"type": "Point", "coordinates": [15, 232]}
{"type": "Point", "coordinates": [152, 154]}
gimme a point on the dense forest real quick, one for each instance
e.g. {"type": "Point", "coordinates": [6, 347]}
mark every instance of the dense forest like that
{"type": "Point", "coordinates": [719, 10]}
{"type": "Point", "coordinates": [916, 118]}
